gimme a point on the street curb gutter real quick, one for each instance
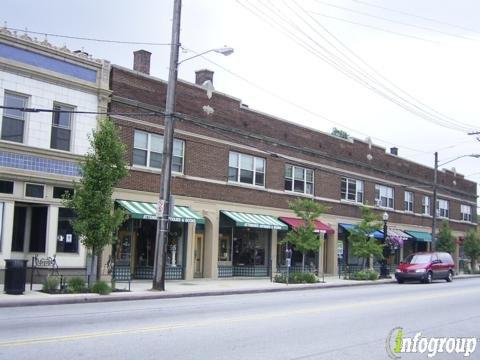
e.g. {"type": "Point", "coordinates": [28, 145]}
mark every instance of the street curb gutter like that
{"type": "Point", "coordinates": [159, 296]}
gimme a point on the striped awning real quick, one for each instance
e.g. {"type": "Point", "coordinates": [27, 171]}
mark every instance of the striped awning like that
{"type": "Point", "coordinates": [319, 226]}
{"type": "Point", "coordinates": [148, 211]}
{"type": "Point", "coordinates": [255, 220]}
{"type": "Point", "coordinates": [420, 235]}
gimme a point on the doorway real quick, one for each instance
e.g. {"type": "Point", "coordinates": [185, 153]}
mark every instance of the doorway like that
{"type": "Point", "coordinates": [198, 256]}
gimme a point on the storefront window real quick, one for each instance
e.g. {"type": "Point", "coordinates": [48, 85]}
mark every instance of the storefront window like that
{"type": "Point", "coordinates": [225, 244]}
{"type": "Point", "coordinates": [67, 241]}
{"type": "Point", "coordinates": [250, 247]}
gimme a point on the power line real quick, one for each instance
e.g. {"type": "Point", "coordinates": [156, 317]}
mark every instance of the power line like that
{"type": "Point", "coordinates": [393, 21]}
{"type": "Point", "coordinates": [415, 16]}
{"type": "Point", "coordinates": [347, 68]}
{"type": "Point", "coordinates": [26, 31]}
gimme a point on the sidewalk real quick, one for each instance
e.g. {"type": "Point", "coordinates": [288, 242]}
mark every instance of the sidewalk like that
{"type": "Point", "coordinates": [141, 290]}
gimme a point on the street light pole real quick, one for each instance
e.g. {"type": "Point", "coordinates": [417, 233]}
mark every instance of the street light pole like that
{"type": "Point", "coordinates": [163, 210]}
{"type": "Point", "coordinates": [434, 205]}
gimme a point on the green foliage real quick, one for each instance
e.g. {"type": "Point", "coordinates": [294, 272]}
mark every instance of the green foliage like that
{"type": "Point", "coordinates": [365, 275]}
{"type": "Point", "coordinates": [297, 278]}
{"type": "Point", "coordinates": [103, 168]}
{"type": "Point", "coordinates": [471, 246]}
{"type": "Point", "coordinates": [51, 284]}
{"type": "Point", "coordinates": [340, 133]}
{"type": "Point", "coordinates": [304, 238]}
{"type": "Point", "coordinates": [76, 285]}
{"type": "Point", "coordinates": [102, 288]}
{"type": "Point", "coordinates": [445, 240]}
{"type": "Point", "coordinates": [363, 245]}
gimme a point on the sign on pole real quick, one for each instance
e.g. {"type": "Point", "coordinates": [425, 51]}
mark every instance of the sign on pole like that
{"type": "Point", "coordinates": [160, 205]}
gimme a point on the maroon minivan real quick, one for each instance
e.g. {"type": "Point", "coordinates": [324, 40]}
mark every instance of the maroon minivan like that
{"type": "Point", "coordinates": [425, 267]}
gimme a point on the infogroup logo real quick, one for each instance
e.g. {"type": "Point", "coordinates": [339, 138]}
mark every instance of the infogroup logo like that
{"type": "Point", "coordinates": [397, 343]}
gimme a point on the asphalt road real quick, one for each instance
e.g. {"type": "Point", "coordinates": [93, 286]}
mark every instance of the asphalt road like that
{"type": "Point", "coordinates": [342, 323]}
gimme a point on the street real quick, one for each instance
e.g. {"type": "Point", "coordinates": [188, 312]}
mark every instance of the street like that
{"type": "Point", "coordinates": [342, 323]}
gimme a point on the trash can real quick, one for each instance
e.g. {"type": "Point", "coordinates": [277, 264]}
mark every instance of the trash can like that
{"type": "Point", "coordinates": [15, 276]}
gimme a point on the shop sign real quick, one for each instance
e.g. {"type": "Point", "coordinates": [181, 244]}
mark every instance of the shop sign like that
{"type": "Point", "coordinates": [339, 248]}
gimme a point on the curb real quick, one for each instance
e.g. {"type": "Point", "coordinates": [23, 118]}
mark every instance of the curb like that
{"type": "Point", "coordinates": [159, 296]}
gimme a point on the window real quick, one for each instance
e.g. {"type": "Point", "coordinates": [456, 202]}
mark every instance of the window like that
{"type": "Point", "coordinates": [61, 127]}
{"type": "Point", "coordinates": [38, 228]}
{"type": "Point", "coordinates": [442, 208]}
{"type": "Point", "coordinates": [352, 190]}
{"type": "Point", "coordinates": [384, 196]}
{"type": "Point", "coordinates": [408, 203]}
{"type": "Point", "coordinates": [298, 179]}
{"type": "Point", "coordinates": [466, 212]}
{"type": "Point", "coordinates": [6, 187]}
{"type": "Point", "coordinates": [246, 169]}
{"type": "Point", "coordinates": [67, 241]}
{"type": "Point", "coordinates": [59, 192]}
{"type": "Point", "coordinates": [148, 151]}
{"type": "Point", "coordinates": [13, 122]}
{"type": "Point", "coordinates": [426, 205]}
{"type": "Point", "coordinates": [34, 190]}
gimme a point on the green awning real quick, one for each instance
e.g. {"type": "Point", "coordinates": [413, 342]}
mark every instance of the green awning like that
{"type": "Point", "coordinates": [420, 235]}
{"type": "Point", "coordinates": [255, 220]}
{"type": "Point", "coordinates": [148, 211]}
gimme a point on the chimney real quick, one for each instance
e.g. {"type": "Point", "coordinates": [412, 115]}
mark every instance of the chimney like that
{"type": "Point", "coordinates": [141, 61]}
{"type": "Point", "coordinates": [203, 75]}
{"type": "Point", "coordinates": [394, 151]}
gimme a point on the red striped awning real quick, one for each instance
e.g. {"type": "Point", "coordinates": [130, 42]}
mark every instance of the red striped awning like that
{"type": "Point", "coordinates": [295, 222]}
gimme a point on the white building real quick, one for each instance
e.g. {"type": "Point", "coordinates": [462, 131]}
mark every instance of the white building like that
{"type": "Point", "coordinates": [40, 151]}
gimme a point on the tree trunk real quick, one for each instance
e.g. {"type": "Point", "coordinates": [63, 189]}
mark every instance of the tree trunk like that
{"type": "Point", "coordinates": [92, 267]}
{"type": "Point", "coordinates": [474, 265]}
{"type": "Point", "coordinates": [99, 267]}
{"type": "Point", "coordinates": [303, 261]}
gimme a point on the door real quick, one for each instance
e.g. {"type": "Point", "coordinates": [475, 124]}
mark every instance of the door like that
{"type": "Point", "coordinates": [436, 267]}
{"type": "Point", "coordinates": [198, 256]}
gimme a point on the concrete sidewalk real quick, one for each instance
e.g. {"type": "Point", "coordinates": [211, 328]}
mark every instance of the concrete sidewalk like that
{"type": "Point", "coordinates": [141, 290]}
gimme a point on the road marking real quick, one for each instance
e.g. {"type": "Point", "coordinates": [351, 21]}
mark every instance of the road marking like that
{"type": "Point", "coordinates": [253, 317]}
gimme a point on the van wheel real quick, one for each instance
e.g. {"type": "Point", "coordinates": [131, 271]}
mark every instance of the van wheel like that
{"type": "Point", "coordinates": [400, 281]}
{"type": "Point", "coordinates": [428, 279]}
{"type": "Point", "coordinates": [450, 276]}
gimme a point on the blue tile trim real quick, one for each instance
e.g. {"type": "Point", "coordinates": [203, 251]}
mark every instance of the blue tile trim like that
{"type": "Point", "coordinates": [48, 63]}
{"type": "Point", "coordinates": [37, 163]}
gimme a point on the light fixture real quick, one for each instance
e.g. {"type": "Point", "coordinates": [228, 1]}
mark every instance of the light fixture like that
{"type": "Point", "coordinates": [385, 216]}
{"type": "Point", "coordinates": [224, 51]}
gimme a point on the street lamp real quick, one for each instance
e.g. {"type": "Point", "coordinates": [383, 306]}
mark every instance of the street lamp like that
{"type": "Point", "coordinates": [226, 51]}
{"type": "Point", "coordinates": [435, 172]}
{"type": "Point", "coordinates": [384, 273]}
{"type": "Point", "coordinates": [288, 258]}
{"type": "Point", "coordinates": [163, 206]}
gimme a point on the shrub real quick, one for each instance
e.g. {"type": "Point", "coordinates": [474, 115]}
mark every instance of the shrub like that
{"type": "Point", "coordinates": [296, 278]}
{"type": "Point", "coordinates": [365, 275]}
{"type": "Point", "coordinates": [76, 284]}
{"type": "Point", "coordinates": [51, 284]}
{"type": "Point", "coordinates": [102, 288]}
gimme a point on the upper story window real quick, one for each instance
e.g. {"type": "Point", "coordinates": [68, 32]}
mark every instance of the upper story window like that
{"type": "Point", "coordinates": [426, 205]}
{"type": "Point", "coordinates": [408, 201]}
{"type": "Point", "coordinates": [148, 151]}
{"type": "Point", "coordinates": [61, 127]}
{"type": "Point", "coordinates": [298, 179]}
{"type": "Point", "coordinates": [246, 169]}
{"type": "Point", "coordinates": [442, 208]}
{"type": "Point", "coordinates": [6, 187]}
{"type": "Point", "coordinates": [384, 196]}
{"type": "Point", "coordinates": [13, 122]}
{"type": "Point", "coordinates": [466, 212]}
{"type": "Point", "coordinates": [352, 190]}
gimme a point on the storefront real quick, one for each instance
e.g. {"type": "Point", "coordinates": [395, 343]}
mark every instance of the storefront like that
{"type": "Point", "coordinates": [244, 247]}
{"type": "Point", "coordinates": [315, 261]}
{"type": "Point", "coordinates": [420, 242]}
{"type": "Point", "coordinates": [137, 236]}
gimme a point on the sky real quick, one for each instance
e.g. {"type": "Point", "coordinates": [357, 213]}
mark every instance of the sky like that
{"type": "Point", "coordinates": [298, 60]}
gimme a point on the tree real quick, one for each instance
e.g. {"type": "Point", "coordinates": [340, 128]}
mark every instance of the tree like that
{"type": "Point", "coordinates": [445, 240]}
{"type": "Point", "coordinates": [364, 245]}
{"type": "Point", "coordinates": [304, 237]}
{"type": "Point", "coordinates": [471, 246]}
{"type": "Point", "coordinates": [102, 169]}
{"type": "Point", "coordinates": [340, 133]}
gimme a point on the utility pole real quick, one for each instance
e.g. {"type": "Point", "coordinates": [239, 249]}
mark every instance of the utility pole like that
{"type": "Point", "coordinates": [163, 211]}
{"type": "Point", "coordinates": [434, 205]}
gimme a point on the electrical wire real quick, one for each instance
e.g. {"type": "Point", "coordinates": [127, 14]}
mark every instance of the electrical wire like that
{"type": "Point", "coordinates": [415, 16]}
{"type": "Point", "coordinates": [347, 68]}
{"type": "Point", "coordinates": [26, 31]}
{"type": "Point", "coordinates": [392, 21]}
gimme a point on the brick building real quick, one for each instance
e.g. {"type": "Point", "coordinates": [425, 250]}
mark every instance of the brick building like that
{"type": "Point", "coordinates": [235, 170]}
